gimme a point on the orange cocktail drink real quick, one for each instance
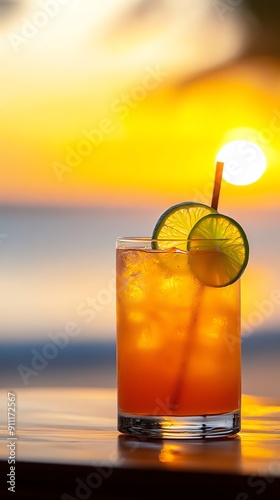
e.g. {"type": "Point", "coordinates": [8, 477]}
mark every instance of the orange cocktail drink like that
{"type": "Point", "coordinates": [178, 317]}
{"type": "Point", "coordinates": [178, 344]}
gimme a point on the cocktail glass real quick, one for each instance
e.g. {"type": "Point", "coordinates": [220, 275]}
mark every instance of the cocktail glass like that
{"type": "Point", "coordinates": [178, 345]}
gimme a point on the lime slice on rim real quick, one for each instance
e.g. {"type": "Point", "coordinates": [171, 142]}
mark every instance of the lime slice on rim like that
{"type": "Point", "coordinates": [176, 223]}
{"type": "Point", "coordinates": [219, 250]}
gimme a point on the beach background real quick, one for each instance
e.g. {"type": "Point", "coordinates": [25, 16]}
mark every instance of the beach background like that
{"type": "Point", "coordinates": [110, 113]}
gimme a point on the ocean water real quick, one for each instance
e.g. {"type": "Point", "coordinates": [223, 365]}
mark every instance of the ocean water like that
{"type": "Point", "coordinates": [24, 364]}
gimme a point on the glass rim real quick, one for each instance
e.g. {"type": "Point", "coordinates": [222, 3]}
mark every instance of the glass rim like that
{"type": "Point", "coordinates": [141, 239]}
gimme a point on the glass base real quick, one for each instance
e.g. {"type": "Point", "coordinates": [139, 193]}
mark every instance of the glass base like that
{"type": "Point", "coordinates": [204, 426]}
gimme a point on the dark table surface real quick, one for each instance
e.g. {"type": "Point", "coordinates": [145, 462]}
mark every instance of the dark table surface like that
{"type": "Point", "coordinates": [67, 447]}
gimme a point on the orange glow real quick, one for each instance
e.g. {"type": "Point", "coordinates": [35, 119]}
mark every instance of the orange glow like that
{"type": "Point", "coordinates": [166, 320]}
{"type": "Point", "coordinates": [164, 148]}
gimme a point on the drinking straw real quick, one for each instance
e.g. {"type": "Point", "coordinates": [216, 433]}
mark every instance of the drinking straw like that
{"type": "Point", "coordinates": [217, 184]}
{"type": "Point", "coordinates": [177, 392]}
{"type": "Point", "coordinates": [176, 396]}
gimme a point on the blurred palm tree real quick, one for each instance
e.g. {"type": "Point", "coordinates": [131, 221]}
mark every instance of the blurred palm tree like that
{"type": "Point", "coordinates": [266, 40]}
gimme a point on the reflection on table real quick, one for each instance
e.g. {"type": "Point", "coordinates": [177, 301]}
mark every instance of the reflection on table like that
{"type": "Point", "coordinates": [71, 433]}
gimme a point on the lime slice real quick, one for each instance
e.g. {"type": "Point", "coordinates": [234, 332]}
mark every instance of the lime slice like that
{"type": "Point", "coordinates": [176, 223]}
{"type": "Point", "coordinates": [219, 250]}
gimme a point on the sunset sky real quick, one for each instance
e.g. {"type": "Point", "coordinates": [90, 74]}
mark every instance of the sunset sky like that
{"type": "Point", "coordinates": [120, 106]}
{"type": "Point", "coordinates": [63, 149]}
{"type": "Point", "coordinates": [105, 104]}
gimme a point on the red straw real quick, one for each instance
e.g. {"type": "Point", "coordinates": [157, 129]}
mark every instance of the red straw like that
{"type": "Point", "coordinates": [217, 185]}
